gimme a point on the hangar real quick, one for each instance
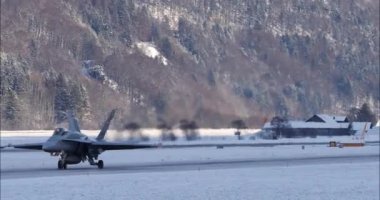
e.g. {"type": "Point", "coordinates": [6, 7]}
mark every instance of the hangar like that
{"type": "Point", "coordinates": [317, 125]}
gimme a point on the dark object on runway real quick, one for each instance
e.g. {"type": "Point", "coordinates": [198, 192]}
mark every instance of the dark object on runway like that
{"type": "Point", "coordinates": [73, 146]}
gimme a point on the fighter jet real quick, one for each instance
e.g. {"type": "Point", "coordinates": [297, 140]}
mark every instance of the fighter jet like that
{"type": "Point", "coordinates": [74, 147]}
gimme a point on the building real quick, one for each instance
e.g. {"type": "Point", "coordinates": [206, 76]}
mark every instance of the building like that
{"type": "Point", "coordinates": [317, 125]}
{"type": "Point", "coordinates": [328, 119]}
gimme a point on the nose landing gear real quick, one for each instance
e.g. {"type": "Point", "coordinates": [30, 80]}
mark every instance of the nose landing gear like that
{"type": "Point", "coordinates": [100, 164]}
{"type": "Point", "coordinates": [62, 164]}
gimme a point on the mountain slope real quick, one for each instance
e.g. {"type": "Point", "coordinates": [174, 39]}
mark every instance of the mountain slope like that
{"type": "Point", "coordinates": [207, 60]}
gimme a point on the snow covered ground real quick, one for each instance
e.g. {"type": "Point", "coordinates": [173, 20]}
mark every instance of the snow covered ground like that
{"type": "Point", "coordinates": [186, 173]}
{"type": "Point", "coordinates": [316, 180]}
{"type": "Point", "coordinates": [171, 155]}
{"type": "Point", "coordinates": [329, 181]}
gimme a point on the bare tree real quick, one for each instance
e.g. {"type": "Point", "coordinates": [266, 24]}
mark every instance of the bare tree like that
{"type": "Point", "coordinates": [238, 124]}
{"type": "Point", "coordinates": [166, 132]}
{"type": "Point", "coordinates": [135, 133]}
{"type": "Point", "coordinates": [189, 129]}
{"type": "Point", "coordinates": [279, 123]}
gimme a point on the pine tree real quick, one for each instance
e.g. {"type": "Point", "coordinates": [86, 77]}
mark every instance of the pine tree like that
{"type": "Point", "coordinates": [85, 104]}
{"type": "Point", "coordinates": [79, 100]}
{"type": "Point", "coordinates": [353, 114]}
{"type": "Point", "coordinates": [366, 114]}
{"type": "Point", "coordinates": [12, 109]}
{"type": "Point", "coordinates": [362, 114]}
{"type": "Point", "coordinates": [62, 99]}
{"type": "Point", "coordinates": [75, 98]}
{"type": "Point", "coordinates": [278, 123]}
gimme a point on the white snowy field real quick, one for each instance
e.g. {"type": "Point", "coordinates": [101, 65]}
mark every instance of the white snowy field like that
{"type": "Point", "coordinates": [285, 172]}
{"type": "Point", "coordinates": [328, 181]}
{"type": "Point", "coordinates": [347, 179]}
{"type": "Point", "coordinates": [37, 160]}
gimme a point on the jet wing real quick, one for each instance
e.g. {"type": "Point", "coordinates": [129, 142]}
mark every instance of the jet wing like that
{"type": "Point", "coordinates": [78, 140]}
{"type": "Point", "coordinates": [119, 146]}
{"type": "Point", "coordinates": [36, 146]}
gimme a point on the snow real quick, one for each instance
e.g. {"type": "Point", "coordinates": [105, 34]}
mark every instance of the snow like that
{"type": "Point", "coordinates": [208, 136]}
{"type": "Point", "coordinates": [375, 131]}
{"type": "Point", "coordinates": [111, 84]}
{"type": "Point", "coordinates": [100, 73]}
{"type": "Point", "coordinates": [302, 124]}
{"type": "Point", "coordinates": [358, 127]}
{"type": "Point", "coordinates": [330, 121]}
{"type": "Point", "coordinates": [356, 181]}
{"type": "Point", "coordinates": [169, 14]}
{"type": "Point", "coordinates": [170, 155]}
{"type": "Point", "coordinates": [331, 118]}
{"type": "Point", "coordinates": [149, 50]}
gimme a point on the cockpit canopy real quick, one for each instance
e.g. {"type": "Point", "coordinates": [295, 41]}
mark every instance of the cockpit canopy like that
{"type": "Point", "coordinates": [60, 131]}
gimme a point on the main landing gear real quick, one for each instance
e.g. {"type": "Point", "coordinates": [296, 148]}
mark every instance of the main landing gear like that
{"type": "Point", "coordinates": [100, 163]}
{"type": "Point", "coordinates": [66, 159]}
{"type": "Point", "coordinates": [63, 165]}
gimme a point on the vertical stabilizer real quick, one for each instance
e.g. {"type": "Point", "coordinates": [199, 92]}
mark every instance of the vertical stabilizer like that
{"type": "Point", "coordinates": [106, 125]}
{"type": "Point", "coordinates": [73, 122]}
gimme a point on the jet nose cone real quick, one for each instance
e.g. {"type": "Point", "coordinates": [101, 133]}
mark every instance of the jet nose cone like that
{"type": "Point", "coordinates": [48, 147]}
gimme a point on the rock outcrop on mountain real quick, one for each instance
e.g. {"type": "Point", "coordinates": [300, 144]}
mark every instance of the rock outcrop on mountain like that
{"type": "Point", "coordinates": [211, 61]}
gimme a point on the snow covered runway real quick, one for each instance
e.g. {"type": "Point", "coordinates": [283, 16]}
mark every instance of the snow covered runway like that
{"type": "Point", "coordinates": [248, 172]}
{"type": "Point", "coordinates": [48, 171]}
{"type": "Point", "coordinates": [334, 181]}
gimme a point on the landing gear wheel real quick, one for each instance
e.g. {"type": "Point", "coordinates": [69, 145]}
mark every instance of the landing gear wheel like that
{"type": "Point", "coordinates": [62, 164]}
{"type": "Point", "coordinates": [100, 164]}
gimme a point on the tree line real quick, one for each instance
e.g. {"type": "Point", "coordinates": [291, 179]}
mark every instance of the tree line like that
{"type": "Point", "coordinates": [29, 100]}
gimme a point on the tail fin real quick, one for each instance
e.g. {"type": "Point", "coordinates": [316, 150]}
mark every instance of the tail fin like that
{"type": "Point", "coordinates": [73, 122]}
{"type": "Point", "coordinates": [106, 125]}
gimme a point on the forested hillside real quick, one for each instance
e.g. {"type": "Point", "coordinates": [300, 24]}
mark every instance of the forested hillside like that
{"type": "Point", "coordinates": [211, 61]}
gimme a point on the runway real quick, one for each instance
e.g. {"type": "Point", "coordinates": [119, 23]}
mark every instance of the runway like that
{"type": "Point", "coordinates": [221, 145]}
{"type": "Point", "coordinates": [278, 172]}
{"type": "Point", "coordinates": [180, 166]}
{"type": "Point", "coordinates": [38, 164]}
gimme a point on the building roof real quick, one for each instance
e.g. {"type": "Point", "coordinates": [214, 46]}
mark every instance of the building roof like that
{"type": "Point", "coordinates": [359, 126]}
{"type": "Point", "coordinates": [318, 121]}
{"type": "Point", "coordinates": [329, 118]}
{"type": "Point", "coordinates": [302, 124]}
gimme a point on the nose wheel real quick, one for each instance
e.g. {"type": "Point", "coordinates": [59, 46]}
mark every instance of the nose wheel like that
{"type": "Point", "coordinates": [62, 164]}
{"type": "Point", "coordinates": [100, 164]}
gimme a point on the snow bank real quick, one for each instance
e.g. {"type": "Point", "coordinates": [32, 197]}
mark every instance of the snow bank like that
{"type": "Point", "coordinates": [208, 136]}
{"type": "Point", "coordinates": [150, 50]}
